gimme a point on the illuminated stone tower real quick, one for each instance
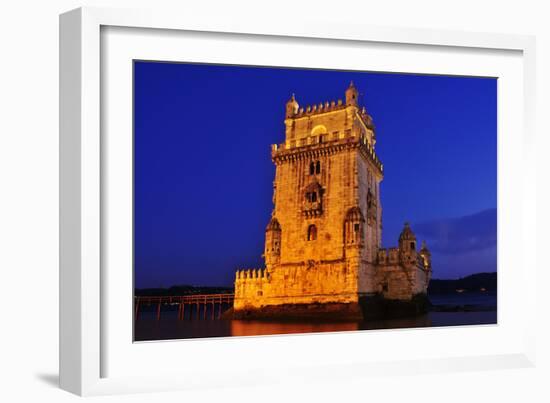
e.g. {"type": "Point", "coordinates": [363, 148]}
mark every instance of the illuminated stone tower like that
{"type": "Point", "coordinates": [322, 246]}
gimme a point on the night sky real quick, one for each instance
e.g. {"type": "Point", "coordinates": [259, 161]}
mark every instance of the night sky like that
{"type": "Point", "coordinates": [203, 170]}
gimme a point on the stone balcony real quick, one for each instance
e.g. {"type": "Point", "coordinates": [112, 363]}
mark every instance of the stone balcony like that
{"type": "Point", "coordinates": [313, 209]}
{"type": "Point", "coordinates": [330, 142]}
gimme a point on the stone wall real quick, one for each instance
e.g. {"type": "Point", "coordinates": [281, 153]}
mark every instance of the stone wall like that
{"type": "Point", "coordinates": [368, 199]}
{"type": "Point", "coordinates": [292, 179]}
{"type": "Point", "coordinates": [329, 282]}
{"type": "Point", "coordinates": [399, 279]}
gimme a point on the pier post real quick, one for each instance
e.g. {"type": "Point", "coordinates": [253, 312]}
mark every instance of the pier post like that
{"type": "Point", "coordinates": [215, 302]}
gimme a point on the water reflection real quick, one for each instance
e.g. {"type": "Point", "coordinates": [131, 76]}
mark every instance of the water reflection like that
{"type": "Point", "coordinates": [255, 328]}
{"type": "Point", "coordinates": [169, 327]}
{"type": "Point", "coordinates": [417, 321]}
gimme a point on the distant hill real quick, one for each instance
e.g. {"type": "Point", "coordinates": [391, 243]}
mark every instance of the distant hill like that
{"type": "Point", "coordinates": [474, 282]}
{"type": "Point", "coordinates": [182, 290]}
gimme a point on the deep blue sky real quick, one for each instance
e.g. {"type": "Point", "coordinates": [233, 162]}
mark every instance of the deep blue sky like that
{"type": "Point", "coordinates": [203, 173]}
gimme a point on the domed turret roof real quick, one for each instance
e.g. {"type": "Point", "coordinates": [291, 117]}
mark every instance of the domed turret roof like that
{"type": "Point", "coordinates": [407, 233]}
{"type": "Point", "coordinates": [351, 94]}
{"type": "Point", "coordinates": [355, 214]}
{"type": "Point", "coordinates": [292, 107]}
{"type": "Point", "coordinates": [273, 225]}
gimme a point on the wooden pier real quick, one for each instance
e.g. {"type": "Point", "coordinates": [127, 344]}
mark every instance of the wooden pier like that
{"type": "Point", "coordinates": [189, 306]}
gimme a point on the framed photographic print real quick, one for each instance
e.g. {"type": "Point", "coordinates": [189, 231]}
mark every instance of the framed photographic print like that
{"type": "Point", "coordinates": [268, 192]}
{"type": "Point", "coordinates": [318, 262]}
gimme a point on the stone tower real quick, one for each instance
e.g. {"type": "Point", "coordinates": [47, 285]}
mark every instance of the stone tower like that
{"type": "Point", "coordinates": [322, 245]}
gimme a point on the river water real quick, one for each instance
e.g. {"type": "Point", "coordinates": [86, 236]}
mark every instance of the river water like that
{"type": "Point", "coordinates": [448, 310]}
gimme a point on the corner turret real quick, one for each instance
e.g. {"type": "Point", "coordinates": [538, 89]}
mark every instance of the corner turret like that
{"type": "Point", "coordinates": [407, 244]}
{"type": "Point", "coordinates": [291, 107]}
{"type": "Point", "coordinates": [272, 251]}
{"type": "Point", "coordinates": [351, 94]}
{"type": "Point", "coordinates": [353, 227]}
{"type": "Point", "coordinates": [426, 256]}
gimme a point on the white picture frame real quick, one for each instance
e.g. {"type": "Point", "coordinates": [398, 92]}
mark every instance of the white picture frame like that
{"type": "Point", "coordinates": [86, 301]}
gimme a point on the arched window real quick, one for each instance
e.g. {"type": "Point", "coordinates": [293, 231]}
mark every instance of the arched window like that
{"type": "Point", "coordinates": [312, 168]}
{"type": "Point", "coordinates": [311, 233]}
{"type": "Point", "coordinates": [318, 167]}
{"type": "Point", "coordinates": [311, 197]}
{"type": "Point", "coordinates": [319, 130]}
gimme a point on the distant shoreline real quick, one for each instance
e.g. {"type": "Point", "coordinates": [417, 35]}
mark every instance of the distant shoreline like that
{"type": "Point", "coordinates": [479, 282]}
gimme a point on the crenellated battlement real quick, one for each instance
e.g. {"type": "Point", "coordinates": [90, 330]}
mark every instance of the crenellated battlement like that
{"type": "Point", "coordinates": [393, 256]}
{"type": "Point", "coordinates": [322, 107]}
{"type": "Point", "coordinates": [250, 274]}
{"type": "Point", "coordinates": [388, 256]}
{"type": "Point", "coordinates": [332, 106]}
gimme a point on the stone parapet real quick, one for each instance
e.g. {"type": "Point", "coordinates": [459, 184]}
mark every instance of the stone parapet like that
{"type": "Point", "coordinates": [322, 107]}
{"type": "Point", "coordinates": [310, 147]}
{"type": "Point", "coordinates": [249, 274]}
{"type": "Point", "coordinates": [388, 256]}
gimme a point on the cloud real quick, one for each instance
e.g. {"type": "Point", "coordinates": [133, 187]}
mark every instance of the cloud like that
{"type": "Point", "coordinates": [460, 235]}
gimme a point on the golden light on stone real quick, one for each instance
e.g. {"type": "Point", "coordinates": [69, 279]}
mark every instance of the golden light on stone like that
{"type": "Point", "coordinates": [328, 271]}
